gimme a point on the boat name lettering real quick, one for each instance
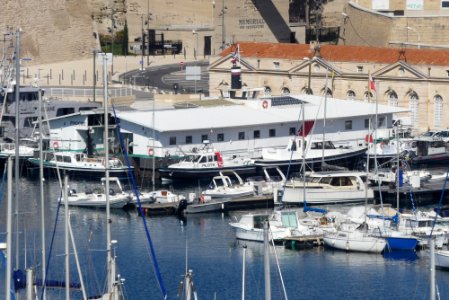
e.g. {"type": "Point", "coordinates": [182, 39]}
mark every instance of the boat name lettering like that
{"type": "Point", "coordinates": [207, 165]}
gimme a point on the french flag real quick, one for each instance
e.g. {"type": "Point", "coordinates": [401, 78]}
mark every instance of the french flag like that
{"type": "Point", "coordinates": [372, 86]}
{"type": "Point", "coordinates": [236, 55]}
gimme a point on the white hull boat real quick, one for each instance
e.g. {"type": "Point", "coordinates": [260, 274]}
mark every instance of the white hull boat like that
{"type": "Point", "coordinates": [328, 188]}
{"type": "Point", "coordinates": [250, 227]}
{"type": "Point", "coordinates": [315, 153]}
{"type": "Point", "coordinates": [442, 259]}
{"type": "Point", "coordinates": [223, 187]}
{"type": "Point", "coordinates": [79, 163]}
{"type": "Point", "coordinates": [354, 240]}
{"type": "Point", "coordinates": [97, 198]}
{"type": "Point", "coordinates": [207, 162]}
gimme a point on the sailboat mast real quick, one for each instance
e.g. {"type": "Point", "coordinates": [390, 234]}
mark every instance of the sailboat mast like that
{"type": "Point", "coordinates": [303, 152]}
{"type": "Point", "coordinates": [266, 257]}
{"type": "Point", "coordinates": [66, 240]}
{"type": "Point", "coordinates": [16, 162]}
{"type": "Point", "coordinates": [9, 231]}
{"type": "Point", "coordinates": [106, 166]}
{"type": "Point", "coordinates": [324, 118]}
{"type": "Point", "coordinates": [397, 166]}
{"type": "Point", "coordinates": [41, 181]}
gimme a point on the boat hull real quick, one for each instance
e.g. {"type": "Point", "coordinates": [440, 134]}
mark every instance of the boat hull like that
{"type": "Point", "coordinates": [357, 244]}
{"type": "Point", "coordinates": [348, 160]}
{"type": "Point", "coordinates": [401, 243]}
{"type": "Point", "coordinates": [442, 259]}
{"type": "Point", "coordinates": [195, 173]}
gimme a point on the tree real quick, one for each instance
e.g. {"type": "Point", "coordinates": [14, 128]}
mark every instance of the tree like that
{"type": "Point", "coordinates": [125, 39]}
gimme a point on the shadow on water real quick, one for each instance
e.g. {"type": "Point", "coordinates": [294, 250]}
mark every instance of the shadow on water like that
{"type": "Point", "coordinates": [401, 255]}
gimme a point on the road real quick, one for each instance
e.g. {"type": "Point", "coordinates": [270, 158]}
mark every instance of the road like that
{"type": "Point", "coordinates": [165, 77]}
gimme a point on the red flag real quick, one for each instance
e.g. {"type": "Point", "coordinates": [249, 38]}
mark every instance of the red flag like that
{"type": "Point", "coordinates": [305, 129]}
{"type": "Point", "coordinates": [372, 86]}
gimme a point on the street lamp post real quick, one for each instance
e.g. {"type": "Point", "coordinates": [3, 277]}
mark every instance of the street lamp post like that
{"type": "Point", "coordinates": [417, 33]}
{"type": "Point", "coordinates": [143, 45]}
{"type": "Point", "coordinates": [223, 31]}
{"type": "Point", "coordinates": [195, 34]}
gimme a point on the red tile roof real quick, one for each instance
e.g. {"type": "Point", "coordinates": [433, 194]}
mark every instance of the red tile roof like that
{"type": "Point", "coordinates": [342, 53]}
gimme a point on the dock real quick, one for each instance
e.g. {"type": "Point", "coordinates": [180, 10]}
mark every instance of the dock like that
{"type": "Point", "coordinates": [303, 242]}
{"type": "Point", "coordinates": [247, 202]}
{"type": "Point", "coordinates": [170, 208]}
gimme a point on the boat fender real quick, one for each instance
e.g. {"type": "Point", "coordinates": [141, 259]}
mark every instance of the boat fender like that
{"type": "Point", "coordinates": [72, 192]}
{"type": "Point", "coordinates": [150, 151]}
{"type": "Point", "coordinates": [56, 145]}
{"type": "Point", "coordinates": [265, 104]}
{"type": "Point", "coordinates": [382, 145]}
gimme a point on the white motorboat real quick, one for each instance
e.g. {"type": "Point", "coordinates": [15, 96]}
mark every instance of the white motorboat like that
{"type": "Point", "coordinates": [26, 148]}
{"type": "Point", "coordinates": [388, 150]}
{"type": "Point", "coordinates": [327, 188]}
{"type": "Point", "coordinates": [421, 226]}
{"type": "Point", "coordinates": [250, 227]}
{"type": "Point", "coordinates": [79, 163]}
{"type": "Point", "coordinates": [222, 186]}
{"type": "Point", "coordinates": [355, 239]}
{"type": "Point", "coordinates": [315, 151]}
{"type": "Point", "coordinates": [207, 162]}
{"type": "Point", "coordinates": [388, 176]}
{"type": "Point", "coordinates": [165, 196]}
{"type": "Point", "coordinates": [97, 198]}
{"type": "Point", "coordinates": [442, 259]}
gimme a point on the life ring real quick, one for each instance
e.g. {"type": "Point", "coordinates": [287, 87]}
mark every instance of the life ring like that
{"type": "Point", "coordinates": [150, 151]}
{"type": "Point", "coordinates": [265, 104]}
{"type": "Point", "coordinates": [55, 145]}
{"type": "Point", "coordinates": [382, 145]}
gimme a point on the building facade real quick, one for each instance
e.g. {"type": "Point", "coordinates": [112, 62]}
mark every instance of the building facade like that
{"type": "Point", "coordinates": [415, 79]}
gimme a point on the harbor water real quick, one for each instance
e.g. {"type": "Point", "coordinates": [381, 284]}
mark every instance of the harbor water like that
{"type": "Point", "coordinates": [205, 244]}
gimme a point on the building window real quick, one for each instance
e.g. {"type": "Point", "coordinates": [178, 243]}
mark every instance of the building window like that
{"type": "Point", "coordinates": [348, 125]}
{"type": "Point", "coordinates": [392, 99]}
{"type": "Point", "coordinates": [172, 140]}
{"type": "Point", "coordinates": [267, 91]}
{"type": "Point", "coordinates": [367, 96]}
{"type": "Point", "coordinates": [188, 139]}
{"type": "Point", "coordinates": [327, 92]}
{"type": "Point", "coordinates": [220, 137]}
{"type": "Point", "coordinates": [401, 71]}
{"type": "Point", "coordinates": [414, 109]}
{"type": "Point", "coordinates": [307, 91]}
{"type": "Point", "coordinates": [316, 67]}
{"type": "Point", "coordinates": [292, 131]}
{"type": "Point", "coordinates": [444, 3]}
{"type": "Point", "coordinates": [277, 65]}
{"type": "Point", "coordinates": [256, 134]}
{"type": "Point", "coordinates": [350, 95]}
{"type": "Point", "coordinates": [381, 122]}
{"type": "Point", "coordinates": [285, 91]}
{"type": "Point", "coordinates": [241, 135]}
{"type": "Point", "coordinates": [272, 133]}
{"type": "Point", "coordinates": [438, 121]}
{"type": "Point", "coordinates": [204, 137]}
{"type": "Point", "coordinates": [360, 69]}
{"type": "Point", "coordinates": [366, 123]}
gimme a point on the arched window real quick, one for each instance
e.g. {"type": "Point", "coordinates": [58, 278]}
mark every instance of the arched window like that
{"type": "Point", "coordinates": [392, 99]}
{"type": "Point", "coordinates": [438, 107]}
{"type": "Point", "coordinates": [307, 91]}
{"type": "Point", "coordinates": [327, 92]}
{"type": "Point", "coordinates": [350, 95]}
{"type": "Point", "coordinates": [267, 91]}
{"type": "Point", "coordinates": [285, 91]}
{"type": "Point", "coordinates": [414, 108]}
{"type": "Point", "coordinates": [367, 96]}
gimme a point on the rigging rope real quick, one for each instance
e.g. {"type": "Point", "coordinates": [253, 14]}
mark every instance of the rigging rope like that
{"type": "Point", "coordinates": [147, 231]}
{"type": "Point", "coordinates": [439, 203]}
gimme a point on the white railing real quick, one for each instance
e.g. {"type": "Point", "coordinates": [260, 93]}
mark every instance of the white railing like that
{"type": "Point", "coordinates": [80, 92]}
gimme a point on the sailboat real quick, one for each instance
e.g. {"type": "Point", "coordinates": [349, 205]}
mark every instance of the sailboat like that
{"type": "Point", "coordinates": [353, 236]}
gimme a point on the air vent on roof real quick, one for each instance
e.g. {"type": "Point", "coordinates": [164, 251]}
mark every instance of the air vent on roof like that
{"type": "Point", "coordinates": [285, 100]}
